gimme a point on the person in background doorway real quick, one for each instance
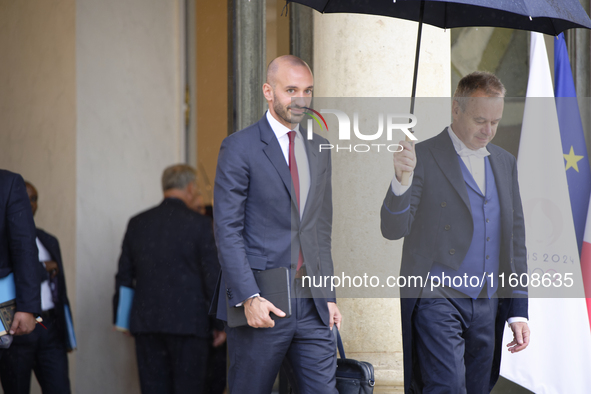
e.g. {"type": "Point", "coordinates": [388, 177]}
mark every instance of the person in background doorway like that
{"type": "Point", "coordinates": [169, 257]}
{"type": "Point", "coordinates": [44, 351]}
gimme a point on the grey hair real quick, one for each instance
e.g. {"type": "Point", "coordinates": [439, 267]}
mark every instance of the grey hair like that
{"type": "Point", "coordinates": [178, 176]}
{"type": "Point", "coordinates": [489, 83]}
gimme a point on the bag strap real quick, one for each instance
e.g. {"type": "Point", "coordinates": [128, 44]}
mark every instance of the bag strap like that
{"type": "Point", "coordinates": [340, 347]}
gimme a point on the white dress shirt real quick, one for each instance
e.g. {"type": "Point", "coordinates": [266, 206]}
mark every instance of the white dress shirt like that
{"type": "Point", "coordinates": [46, 298]}
{"type": "Point", "coordinates": [300, 155]}
{"type": "Point", "coordinates": [473, 159]}
{"type": "Point", "coordinates": [301, 160]}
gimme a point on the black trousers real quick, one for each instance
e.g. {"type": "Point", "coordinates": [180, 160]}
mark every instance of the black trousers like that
{"type": "Point", "coordinates": [42, 351]}
{"type": "Point", "coordinates": [171, 364]}
{"type": "Point", "coordinates": [454, 339]}
{"type": "Point", "coordinates": [216, 370]}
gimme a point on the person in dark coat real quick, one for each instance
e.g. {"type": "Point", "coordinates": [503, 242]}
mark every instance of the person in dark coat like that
{"type": "Point", "coordinates": [461, 218]}
{"type": "Point", "coordinates": [273, 209]}
{"type": "Point", "coordinates": [169, 258]}
{"type": "Point", "coordinates": [18, 252]}
{"type": "Point", "coordinates": [44, 351]}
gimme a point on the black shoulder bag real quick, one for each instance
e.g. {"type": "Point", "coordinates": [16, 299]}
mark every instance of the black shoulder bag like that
{"type": "Point", "coordinates": [353, 377]}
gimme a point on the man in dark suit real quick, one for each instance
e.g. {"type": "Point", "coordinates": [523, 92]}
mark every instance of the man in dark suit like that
{"type": "Point", "coordinates": [461, 218]}
{"type": "Point", "coordinates": [169, 257]}
{"type": "Point", "coordinates": [18, 251]}
{"type": "Point", "coordinates": [45, 349]}
{"type": "Point", "coordinates": [273, 208]}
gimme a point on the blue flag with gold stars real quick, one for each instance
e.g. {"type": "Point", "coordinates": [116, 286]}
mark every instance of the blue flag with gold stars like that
{"type": "Point", "coordinates": [576, 159]}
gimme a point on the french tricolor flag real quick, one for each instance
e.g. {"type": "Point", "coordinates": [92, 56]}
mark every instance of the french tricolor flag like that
{"type": "Point", "coordinates": [586, 262]}
{"type": "Point", "coordinates": [578, 172]}
{"type": "Point", "coordinates": [552, 169]}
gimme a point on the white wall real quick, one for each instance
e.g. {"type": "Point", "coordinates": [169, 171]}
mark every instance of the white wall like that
{"type": "Point", "coordinates": [128, 129]}
{"type": "Point", "coordinates": [91, 113]}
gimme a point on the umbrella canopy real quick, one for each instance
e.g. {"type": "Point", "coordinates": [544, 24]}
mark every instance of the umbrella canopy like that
{"type": "Point", "coordinates": [544, 16]}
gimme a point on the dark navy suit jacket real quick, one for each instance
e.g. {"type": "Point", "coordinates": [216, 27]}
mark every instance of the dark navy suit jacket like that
{"type": "Point", "coordinates": [169, 257]}
{"type": "Point", "coordinates": [18, 249]}
{"type": "Point", "coordinates": [257, 222]}
{"type": "Point", "coordinates": [434, 217]}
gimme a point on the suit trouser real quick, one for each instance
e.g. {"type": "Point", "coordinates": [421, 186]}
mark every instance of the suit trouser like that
{"type": "Point", "coordinates": [42, 351]}
{"type": "Point", "coordinates": [454, 338]}
{"type": "Point", "coordinates": [302, 343]}
{"type": "Point", "coordinates": [217, 363]}
{"type": "Point", "coordinates": [171, 364]}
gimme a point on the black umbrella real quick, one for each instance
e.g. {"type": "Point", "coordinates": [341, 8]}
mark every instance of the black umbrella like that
{"type": "Point", "coordinates": [544, 16]}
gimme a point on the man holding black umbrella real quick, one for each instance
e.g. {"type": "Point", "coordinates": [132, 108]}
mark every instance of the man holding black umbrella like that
{"type": "Point", "coordinates": [461, 218]}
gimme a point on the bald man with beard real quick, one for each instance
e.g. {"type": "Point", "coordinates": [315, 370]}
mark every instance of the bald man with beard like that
{"type": "Point", "coordinates": [273, 208]}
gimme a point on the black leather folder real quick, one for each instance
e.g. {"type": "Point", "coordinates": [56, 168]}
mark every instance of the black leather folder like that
{"type": "Point", "coordinates": [274, 286]}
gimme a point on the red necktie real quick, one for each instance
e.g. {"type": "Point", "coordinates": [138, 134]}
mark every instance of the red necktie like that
{"type": "Point", "coordinates": [295, 178]}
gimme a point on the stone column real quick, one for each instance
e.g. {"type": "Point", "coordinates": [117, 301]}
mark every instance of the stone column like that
{"type": "Point", "coordinates": [248, 29]}
{"type": "Point", "coordinates": [370, 56]}
{"type": "Point", "coordinates": [301, 32]}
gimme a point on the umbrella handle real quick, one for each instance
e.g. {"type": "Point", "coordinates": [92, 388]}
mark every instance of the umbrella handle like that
{"type": "Point", "coordinates": [405, 175]}
{"type": "Point", "coordinates": [405, 178]}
